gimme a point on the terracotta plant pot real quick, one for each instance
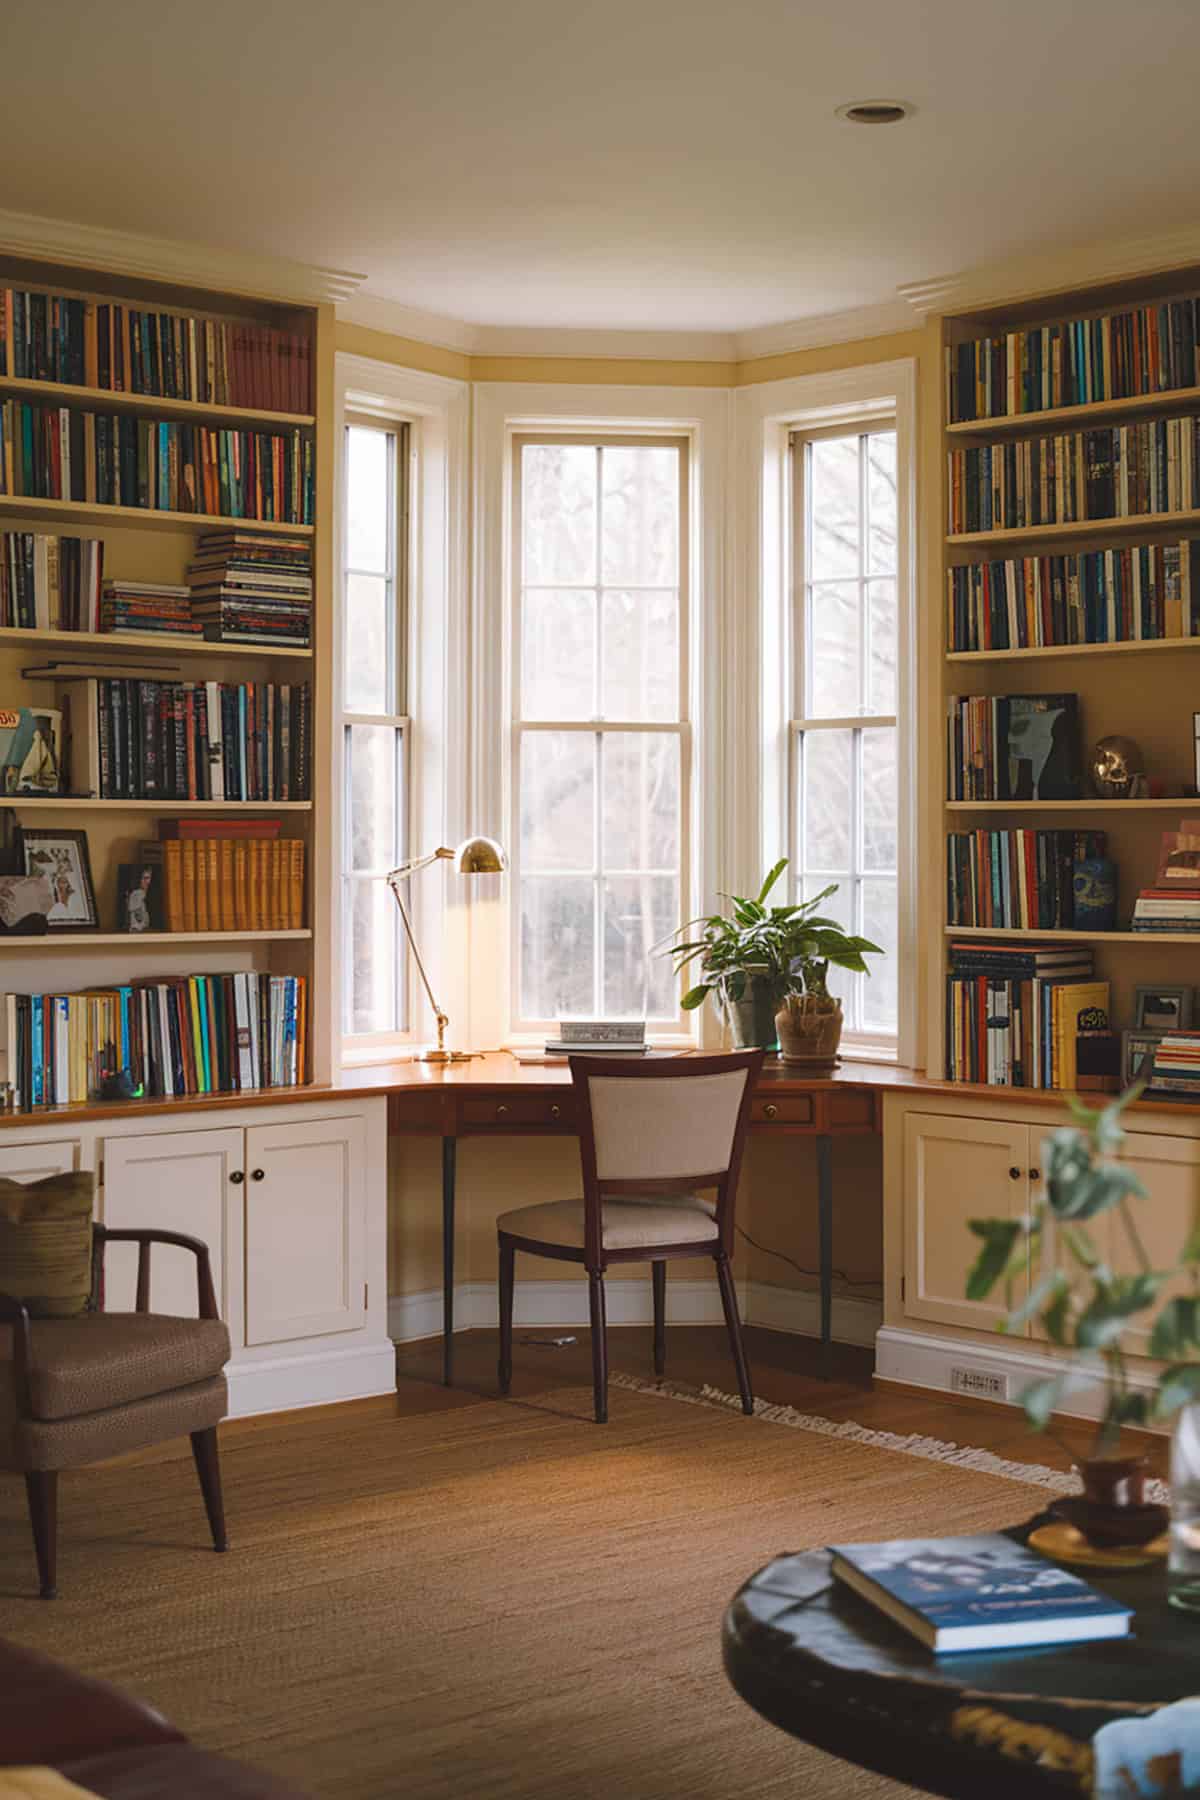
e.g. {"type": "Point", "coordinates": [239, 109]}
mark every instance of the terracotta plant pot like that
{"type": "Point", "coordinates": [1113, 1509]}
{"type": "Point", "coordinates": [810, 1030]}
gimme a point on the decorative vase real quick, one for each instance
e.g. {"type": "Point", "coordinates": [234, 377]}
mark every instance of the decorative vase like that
{"type": "Point", "coordinates": [1112, 1509]}
{"type": "Point", "coordinates": [1183, 1566]}
{"type": "Point", "coordinates": [752, 1018]}
{"type": "Point", "coordinates": [1095, 894]}
{"type": "Point", "coordinates": [810, 1030]}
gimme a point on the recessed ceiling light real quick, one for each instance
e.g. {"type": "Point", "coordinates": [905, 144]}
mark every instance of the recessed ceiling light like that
{"type": "Point", "coordinates": [875, 112]}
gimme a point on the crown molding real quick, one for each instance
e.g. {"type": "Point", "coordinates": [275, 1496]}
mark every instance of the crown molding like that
{"type": "Point", "coordinates": [612, 346]}
{"type": "Point", "coordinates": [163, 259]}
{"type": "Point", "coordinates": [1027, 277]}
{"type": "Point", "coordinates": [815, 332]}
{"type": "Point", "coordinates": [378, 312]}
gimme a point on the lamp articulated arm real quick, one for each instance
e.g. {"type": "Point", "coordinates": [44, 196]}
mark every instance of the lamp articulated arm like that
{"type": "Point", "coordinates": [395, 880]}
{"type": "Point", "coordinates": [474, 856]}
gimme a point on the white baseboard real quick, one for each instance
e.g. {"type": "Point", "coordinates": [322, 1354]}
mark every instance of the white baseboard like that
{"type": "Point", "coordinates": [548, 1304]}
{"type": "Point", "coordinates": [288, 1382]}
{"type": "Point", "coordinates": [919, 1359]}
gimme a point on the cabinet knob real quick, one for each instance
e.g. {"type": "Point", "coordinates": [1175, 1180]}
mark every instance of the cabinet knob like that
{"type": "Point", "coordinates": [770, 1111]}
{"type": "Point", "coordinates": [1014, 1174]}
{"type": "Point", "coordinates": [237, 1177]}
{"type": "Point", "coordinates": [502, 1112]}
{"type": "Point", "coordinates": [258, 1174]}
{"type": "Point", "coordinates": [556, 1112]}
{"type": "Point", "coordinates": [1035, 1174]}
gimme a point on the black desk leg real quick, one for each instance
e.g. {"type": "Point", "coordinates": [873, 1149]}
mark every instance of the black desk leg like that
{"type": "Point", "coordinates": [449, 1146]}
{"type": "Point", "coordinates": [825, 1231]}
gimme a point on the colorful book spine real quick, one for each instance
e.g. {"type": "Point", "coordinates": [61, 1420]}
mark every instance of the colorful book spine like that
{"type": "Point", "coordinates": [161, 740]}
{"type": "Point", "coordinates": [1150, 466]}
{"type": "Point", "coordinates": [1015, 880]}
{"type": "Point", "coordinates": [1129, 594]}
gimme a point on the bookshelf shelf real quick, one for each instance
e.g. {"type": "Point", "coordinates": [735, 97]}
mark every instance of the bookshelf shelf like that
{"type": "Point", "coordinates": [63, 393]}
{"type": "Point", "coordinates": [82, 512]}
{"type": "Point", "coordinates": [1055, 652]}
{"type": "Point", "coordinates": [1175, 804]}
{"type": "Point", "coordinates": [140, 940]}
{"type": "Point", "coordinates": [1097, 412]}
{"type": "Point", "coordinates": [1124, 938]}
{"type": "Point", "coordinates": [114, 644]}
{"type": "Point", "coordinates": [1123, 526]}
{"type": "Point", "coordinates": [69, 803]}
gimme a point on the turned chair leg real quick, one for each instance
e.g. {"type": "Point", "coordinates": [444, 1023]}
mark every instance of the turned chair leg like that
{"type": "Point", "coordinates": [208, 1468]}
{"type": "Point", "coordinates": [41, 1489]}
{"type": "Point", "coordinates": [599, 1345]}
{"type": "Point", "coordinates": [658, 1275]}
{"type": "Point", "coordinates": [508, 1257]}
{"type": "Point", "coordinates": [733, 1325]}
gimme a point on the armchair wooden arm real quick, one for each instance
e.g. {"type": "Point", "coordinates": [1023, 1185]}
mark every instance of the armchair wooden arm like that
{"type": "Point", "coordinates": [144, 1238]}
{"type": "Point", "coordinates": [15, 1313]}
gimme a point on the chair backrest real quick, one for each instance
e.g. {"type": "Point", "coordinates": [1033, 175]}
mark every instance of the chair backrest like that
{"type": "Point", "coordinates": [662, 1126]}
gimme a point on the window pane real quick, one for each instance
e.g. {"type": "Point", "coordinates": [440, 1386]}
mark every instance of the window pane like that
{"type": "Point", "coordinates": [558, 653]}
{"type": "Point", "coordinates": [639, 911]}
{"type": "Point", "coordinates": [558, 501]}
{"type": "Point", "coordinates": [878, 989]}
{"type": "Point", "coordinates": [371, 826]}
{"type": "Point", "coordinates": [826, 765]}
{"type": "Point", "coordinates": [367, 657]}
{"type": "Point", "coordinates": [374, 922]}
{"type": "Point", "coordinates": [833, 489]}
{"type": "Point", "coordinates": [640, 486]}
{"type": "Point", "coordinates": [835, 625]}
{"type": "Point", "coordinates": [881, 625]}
{"type": "Point", "coordinates": [557, 946]}
{"type": "Point", "coordinates": [641, 655]}
{"type": "Point", "coordinates": [558, 788]}
{"type": "Point", "coordinates": [881, 503]}
{"type": "Point", "coordinates": [879, 800]}
{"type": "Point", "coordinates": [368, 498]}
{"type": "Point", "coordinates": [641, 800]}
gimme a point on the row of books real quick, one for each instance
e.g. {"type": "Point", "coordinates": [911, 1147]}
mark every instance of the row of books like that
{"type": "Point", "coordinates": [154, 465]}
{"type": "Point", "coordinates": [1015, 1014]}
{"type": "Point", "coordinates": [50, 583]}
{"type": "Point", "coordinates": [233, 882]}
{"type": "Point", "coordinates": [1175, 1071]}
{"type": "Point", "coordinates": [1131, 594]}
{"type": "Point", "coordinates": [1141, 350]}
{"type": "Point", "coordinates": [1016, 880]}
{"type": "Point", "coordinates": [204, 740]}
{"type": "Point", "coordinates": [1108, 472]}
{"type": "Point", "coordinates": [127, 349]}
{"type": "Point", "coordinates": [1012, 747]}
{"type": "Point", "coordinates": [252, 588]}
{"type": "Point", "coordinates": [189, 1035]}
{"type": "Point", "coordinates": [147, 606]}
{"type": "Point", "coordinates": [1159, 909]}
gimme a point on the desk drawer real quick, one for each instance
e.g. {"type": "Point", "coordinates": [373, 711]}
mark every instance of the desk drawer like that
{"type": "Point", "coordinates": [788, 1109]}
{"type": "Point", "coordinates": [520, 1112]}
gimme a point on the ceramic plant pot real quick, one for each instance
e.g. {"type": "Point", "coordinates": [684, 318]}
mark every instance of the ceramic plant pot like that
{"type": "Point", "coordinates": [810, 1031]}
{"type": "Point", "coordinates": [751, 1019]}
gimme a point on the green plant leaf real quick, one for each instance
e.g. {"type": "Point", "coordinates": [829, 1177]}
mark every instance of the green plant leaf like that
{"type": "Point", "coordinates": [1057, 1315]}
{"type": "Point", "coordinates": [1080, 1246]}
{"type": "Point", "coordinates": [772, 878]}
{"type": "Point", "coordinates": [1044, 1290]}
{"type": "Point", "coordinates": [1113, 1305]}
{"type": "Point", "coordinates": [1177, 1386]}
{"type": "Point", "coordinates": [999, 1236]}
{"type": "Point", "coordinates": [1177, 1328]}
{"type": "Point", "coordinates": [694, 997]}
{"type": "Point", "coordinates": [1041, 1399]}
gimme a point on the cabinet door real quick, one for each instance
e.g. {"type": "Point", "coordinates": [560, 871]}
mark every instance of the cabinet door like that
{"type": "Point", "coordinates": [29, 1162]}
{"type": "Point", "coordinates": [956, 1170]}
{"type": "Point", "coordinates": [1169, 1170]}
{"type": "Point", "coordinates": [305, 1229]}
{"type": "Point", "coordinates": [179, 1181]}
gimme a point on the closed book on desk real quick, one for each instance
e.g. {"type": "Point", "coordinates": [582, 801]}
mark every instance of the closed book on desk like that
{"type": "Point", "coordinates": [977, 1593]}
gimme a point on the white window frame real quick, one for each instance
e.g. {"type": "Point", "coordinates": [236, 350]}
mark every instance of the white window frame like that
{"type": "Point", "coordinates": [768, 413]}
{"type": "Point", "coordinates": [434, 622]}
{"type": "Point", "coordinates": [504, 411]}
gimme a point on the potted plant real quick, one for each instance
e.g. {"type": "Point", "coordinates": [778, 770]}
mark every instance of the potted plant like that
{"type": "Point", "coordinates": [1086, 1307]}
{"type": "Point", "coordinates": [757, 959]}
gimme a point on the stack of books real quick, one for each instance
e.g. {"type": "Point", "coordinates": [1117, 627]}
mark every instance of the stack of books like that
{"type": "Point", "coordinates": [1013, 747]}
{"type": "Point", "coordinates": [1016, 880]}
{"type": "Point", "coordinates": [251, 588]}
{"type": "Point", "coordinates": [1015, 1013]}
{"type": "Point", "coordinates": [1107, 472]}
{"type": "Point", "coordinates": [1123, 595]}
{"type": "Point", "coordinates": [231, 875]}
{"type": "Point", "coordinates": [1167, 909]}
{"type": "Point", "coordinates": [1175, 1073]}
{"type": "Point", "coordinates": [187, 1035]}
{"type": "Point", "coordinates": [598, 1037]}
{"type": "Point", "coordinates": [50, 583]}
{"type": "Point", "coordinates": [147, 606]}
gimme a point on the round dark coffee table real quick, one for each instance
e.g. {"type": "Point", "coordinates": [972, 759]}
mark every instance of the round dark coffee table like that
{"type": "Point", "coordinates": [820, 1662]}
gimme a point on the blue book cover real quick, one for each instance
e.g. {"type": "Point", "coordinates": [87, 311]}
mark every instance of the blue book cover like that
{"type": "Point", "coordinates": [978, 1593]}
{"type": "Point", "coordinates": [37, 1049]}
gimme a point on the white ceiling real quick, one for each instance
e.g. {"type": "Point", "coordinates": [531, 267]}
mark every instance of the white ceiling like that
{"type": "Point", "coordinates": [633, 164]}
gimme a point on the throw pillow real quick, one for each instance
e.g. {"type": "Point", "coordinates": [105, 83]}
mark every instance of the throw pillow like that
{"type": "Point", "coordinates": [46, 1242]}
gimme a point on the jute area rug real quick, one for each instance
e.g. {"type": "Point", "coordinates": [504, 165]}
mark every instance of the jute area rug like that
{"type": "Point", "coordinates": [498, 1600]}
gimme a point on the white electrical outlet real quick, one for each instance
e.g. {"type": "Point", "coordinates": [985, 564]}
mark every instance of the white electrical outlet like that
{"type": "Point", "coordinates": [979, 1383]}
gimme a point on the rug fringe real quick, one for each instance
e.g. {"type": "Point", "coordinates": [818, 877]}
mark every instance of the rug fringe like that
{"type": "Point", "coordinates": [983, 1462]}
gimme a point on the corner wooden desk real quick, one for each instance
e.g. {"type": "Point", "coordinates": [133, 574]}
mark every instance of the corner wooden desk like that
{"type": "Point", "coordinates": [496, 1096]}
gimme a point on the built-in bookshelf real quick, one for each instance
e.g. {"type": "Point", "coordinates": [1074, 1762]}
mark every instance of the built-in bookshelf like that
{"type": "Point", "coordinates": [1070, 519]}
{"type": "Point", "coordinates": [146, 415]}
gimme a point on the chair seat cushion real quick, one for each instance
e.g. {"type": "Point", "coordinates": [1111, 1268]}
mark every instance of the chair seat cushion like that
{"type": "Point", "coordinates": [631, 1223]}
{"type": "Point", "coordinates": [103, 1360]}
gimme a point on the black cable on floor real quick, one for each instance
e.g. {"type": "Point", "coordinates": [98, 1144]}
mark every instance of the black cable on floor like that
{"type": "Point", "coordinates": [813, 1274]}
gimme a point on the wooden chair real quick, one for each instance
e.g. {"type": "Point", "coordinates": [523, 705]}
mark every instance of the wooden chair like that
{"type": "Point", "coordinates": [652, 1133]}
{"type": "Point", "coordinates": [77, 1390]}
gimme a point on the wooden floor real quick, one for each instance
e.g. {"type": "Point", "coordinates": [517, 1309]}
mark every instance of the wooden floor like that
{"type": "Point", "coordinates": [787, 1370]}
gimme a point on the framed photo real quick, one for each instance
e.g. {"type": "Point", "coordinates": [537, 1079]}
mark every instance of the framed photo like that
{"type": "Point", "coordinates": [139, 897]}
{"type": "Point", "coordinates": [31, 750]}
{"type": "Point", "coordinates": [1162, 1009]}
{"type": "Point", "coordinates": [1136, 1047]}
{"type": "Point", "coordinates": [62, 857]}
{"type": "Point", "coordinates": [1179, 857]}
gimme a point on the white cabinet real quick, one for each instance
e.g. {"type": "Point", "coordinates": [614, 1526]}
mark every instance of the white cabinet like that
{"type": "Point", "coordinates": [52, 1156]}
{"type": "Point", "coordinates": [305, 1229]}
{"type": "Point", "coordinates": [957, 1169]}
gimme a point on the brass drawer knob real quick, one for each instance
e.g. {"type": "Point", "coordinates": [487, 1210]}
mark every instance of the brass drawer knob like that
{"type": "Point", "coordinates": [556, 1112]}
{"type": "Point", "coordinates": [770, 1111]}
{"type": "Point", "coordinates": [502, 1112]}
{"type": "Point", "coordinates": [1014, 1174]}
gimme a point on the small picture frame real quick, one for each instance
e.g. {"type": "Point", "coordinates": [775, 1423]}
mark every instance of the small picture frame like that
{"type": "Point", "coordinates": [62, 858]}
{"type": "Point", "coordinates": [1179, 858]}
{"type": "Point", "coordinates": [1136, 1048]}
{"type": "Point", "coordinates": [1162, 1009]}
{"type": "Point", "coordinates": [139, 897]}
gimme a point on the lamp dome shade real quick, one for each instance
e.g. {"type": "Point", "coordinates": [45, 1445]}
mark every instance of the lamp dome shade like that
{"type": "Point", "coordinates": [479, 856]}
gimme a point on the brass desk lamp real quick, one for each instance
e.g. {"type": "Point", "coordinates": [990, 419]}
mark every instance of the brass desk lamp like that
{"type": "Point", "coordinates": [474, 856]}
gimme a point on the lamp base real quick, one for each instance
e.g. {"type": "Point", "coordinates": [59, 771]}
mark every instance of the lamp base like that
{"type": "Point", "coordinates": [446, 1056]}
